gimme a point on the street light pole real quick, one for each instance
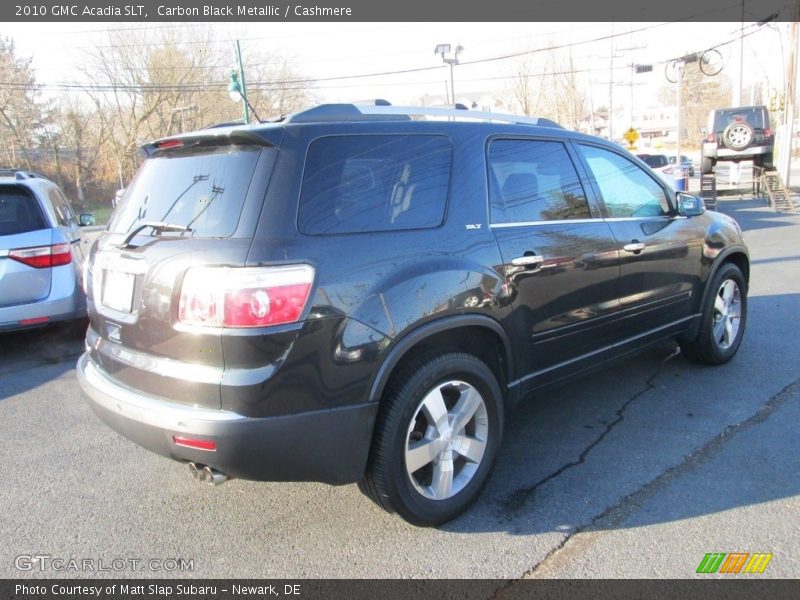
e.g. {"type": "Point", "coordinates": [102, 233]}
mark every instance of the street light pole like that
{"type": "Point", "coordinates": [452, 61]}
{"type": "Point", "coordinates": [242, 83]}
{"type": "Point", "coordinates": [452, 84]}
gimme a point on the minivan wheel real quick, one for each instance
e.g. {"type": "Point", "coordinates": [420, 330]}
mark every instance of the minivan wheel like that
{"type": "Point", "coordinates": [723, 319]}
{"type": "Point", "coordinates": [436, 438]}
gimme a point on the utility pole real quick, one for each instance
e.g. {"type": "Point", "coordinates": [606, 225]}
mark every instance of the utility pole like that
{"type": "Point", "coordinates": [738, 91]}
{"type": "Point", "coordinates": [789, 99]}
{"type": "Point", "coordinates": [611, 88]}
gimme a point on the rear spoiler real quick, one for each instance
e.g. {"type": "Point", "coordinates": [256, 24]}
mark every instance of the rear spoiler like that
{"type": "Point", "coordinates": [208, 138]}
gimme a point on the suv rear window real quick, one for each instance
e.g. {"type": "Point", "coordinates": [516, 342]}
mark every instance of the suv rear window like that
{"type": "Point", "coordinates": [360, 183]}
{"type": "Point", "coordinates": [753, 116]}
{"type": "Point", "coordinates": [19, 212]}
{"type": "Point", "coordinates": [203, 189]}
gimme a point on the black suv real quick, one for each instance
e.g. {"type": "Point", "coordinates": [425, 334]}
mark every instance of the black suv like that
{"type": "Point", "coordinates": [356, 295]}
{"type": "Point", "coordinates": [737, 134]}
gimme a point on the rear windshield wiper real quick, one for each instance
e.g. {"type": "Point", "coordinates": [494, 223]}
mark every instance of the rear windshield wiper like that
{"type": "Point", "coordinates": [157, 226]}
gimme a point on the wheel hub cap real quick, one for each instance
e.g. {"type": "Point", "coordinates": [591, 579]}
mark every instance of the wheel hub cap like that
{"type": "Point", "coordinates": [446, 440]}
{"type": "Point", "coordinates": [727, 314]}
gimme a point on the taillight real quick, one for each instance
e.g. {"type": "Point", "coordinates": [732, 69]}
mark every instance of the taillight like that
{"type": "Point", "coordinates": [712, 137]}
{"type": "Point", "coordinates": [166, 145]}
{"type": "Point", "coordinates": [41, 257]}
{"type": "Point", "coordinates": [244, 297]}
{"type": "Point", "coordinates": [768, 132]}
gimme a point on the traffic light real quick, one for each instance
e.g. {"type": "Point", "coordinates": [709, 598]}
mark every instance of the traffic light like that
{"type": "Point", "coordinates": [776, 102]}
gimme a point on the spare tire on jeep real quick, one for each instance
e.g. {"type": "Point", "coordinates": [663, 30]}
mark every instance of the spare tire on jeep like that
{"type": "Point", "coordinates": [738, 135]}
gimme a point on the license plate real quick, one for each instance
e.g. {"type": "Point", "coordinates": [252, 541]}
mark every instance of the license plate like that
{"type": "Point", "coordinates": [118, 291]}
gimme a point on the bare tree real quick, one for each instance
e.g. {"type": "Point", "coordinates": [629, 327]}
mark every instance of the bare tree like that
{"type": "Point", "coordinates": [699, 95]}
{"type": "Point", "coordinates": [548, 87]}
{"type": "Point", "coordinates": [142, 86]}
{"type": "Point", "coordinates": [151, 83]}
{"type": "Point", "coordinates": [21, 113]}
{"type": "Point", "coordinates": [523, 89]}
{"type": "Point", "coordinates": [275, 88]}
{"type": "Point", "coordinates": [83, 134]}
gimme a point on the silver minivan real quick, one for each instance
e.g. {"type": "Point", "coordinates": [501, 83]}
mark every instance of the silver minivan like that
{"type": "Point", "coordinates": [41, 258]}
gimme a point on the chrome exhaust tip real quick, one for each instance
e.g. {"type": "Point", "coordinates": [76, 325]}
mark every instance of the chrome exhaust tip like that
{"type": "Point", "coordinates": [196, 471]}
{"type": "Point", "coordinates": [213, 477]}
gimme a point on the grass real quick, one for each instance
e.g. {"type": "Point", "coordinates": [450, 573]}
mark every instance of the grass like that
{"type": "Point", "coordinates": [101, 214]}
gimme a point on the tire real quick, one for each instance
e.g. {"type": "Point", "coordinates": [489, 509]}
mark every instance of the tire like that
{"type": "Point", "coordinates": [411, 426]}
{"type": "Point", "coordinates": [706, 166]}
{"type": "Point", "coordinates": [767, 160]}
{"type": "Point", "coordinates": [723, 319]}
{"type": "Point", "coordinates": [738, 135]}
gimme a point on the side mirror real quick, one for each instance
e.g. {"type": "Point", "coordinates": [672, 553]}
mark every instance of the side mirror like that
{"type": "Point", "coordinates": [86, 219]}
{"type": "Point", "coordinates": [689, 206]}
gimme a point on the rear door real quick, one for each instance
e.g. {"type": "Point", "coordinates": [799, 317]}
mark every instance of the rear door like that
{"type": "Point", "coordinates": [660, 252]}
{"type": "Point", "coordinates": [559, 256]}
{"type": "Point", "coordinates": [212, 193]}
{"type": "Point", "coordinates": [22, 225]}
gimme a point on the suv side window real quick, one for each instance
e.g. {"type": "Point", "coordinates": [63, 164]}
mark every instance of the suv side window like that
{"type": "Point", "coordinates": [361, 183]}
{"type": "Point", "coordinates": [626, 189]}
{"type": "Point", "coordinates": [533, 180]}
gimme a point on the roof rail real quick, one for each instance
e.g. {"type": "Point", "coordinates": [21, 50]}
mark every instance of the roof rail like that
{"type": "Point", "coordinates": [373, 102]}
{"type": "Point", "coordinates": [352, 112]}
{"type": "Point", "coordinates": [19, 174]}
{"type": "Point", "coordinates": [342, 112]}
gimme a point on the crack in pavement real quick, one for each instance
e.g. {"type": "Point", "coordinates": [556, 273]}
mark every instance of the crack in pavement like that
{"type": "Point", "coordinates": [614, 515]}
{"type": "Point", "coordinates": [516, 502]}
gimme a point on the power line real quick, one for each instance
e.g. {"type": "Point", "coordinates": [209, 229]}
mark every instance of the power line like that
{"type": "Point", "coordinates": [402, 71]}
{"type": "Point", "coordinates": [210, 87]}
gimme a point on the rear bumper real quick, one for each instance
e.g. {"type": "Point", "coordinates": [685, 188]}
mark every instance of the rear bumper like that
{"type": "Point", "coordinates": [54, 309]}
{"type": "Point", "coordinates": [711, 151]}
{"type": "Point", "coordinates": [330, 446]}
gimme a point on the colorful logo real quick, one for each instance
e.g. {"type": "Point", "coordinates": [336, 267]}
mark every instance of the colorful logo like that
{"type": "Point", "coordinates": [734, 562]}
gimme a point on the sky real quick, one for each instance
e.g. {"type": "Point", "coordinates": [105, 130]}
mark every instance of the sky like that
{"type": "Point", "coordinates": [326, 50]}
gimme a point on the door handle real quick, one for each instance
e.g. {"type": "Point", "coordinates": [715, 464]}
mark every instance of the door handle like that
{"type": "Point", "coordinates": [527, 261]}
{"type": "Point", "coordinates": [634, 247]}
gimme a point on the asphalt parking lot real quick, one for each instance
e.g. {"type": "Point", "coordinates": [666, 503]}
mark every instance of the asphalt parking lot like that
{"type": "Point", "coordinates": [637, 471]}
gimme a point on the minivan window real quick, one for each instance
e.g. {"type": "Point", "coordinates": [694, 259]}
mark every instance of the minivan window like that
{"type": "Point", "coordinates": [64, 214]}
{"type": "Point", "coordinates": [362, 183]}
{"type": "Point", "coordinates": [19, 212]}
{"type": "Point", "coordinates": [202, 189]}
{"type": "Point", "coordinates": [533, 180]}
